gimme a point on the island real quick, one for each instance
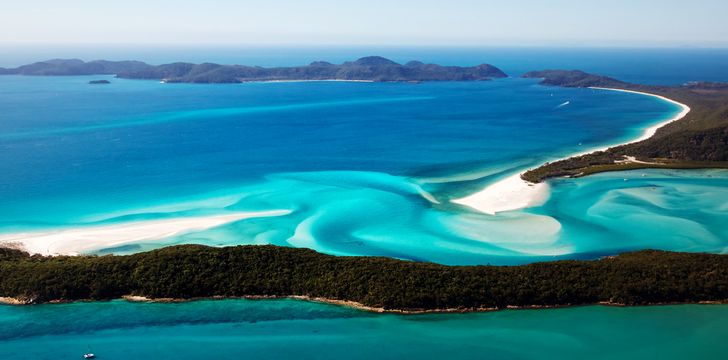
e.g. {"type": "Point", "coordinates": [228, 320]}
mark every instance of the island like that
{"type": "Point", "coordinates": [372, 283]}
{"type": "Point", "coordinates": [99, 82]}
{"type": "Point", "coordinates": [697, 140]}
{"type": "Point", "coordinates": [370, 68]}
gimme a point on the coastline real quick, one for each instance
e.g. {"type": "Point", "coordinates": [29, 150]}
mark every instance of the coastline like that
{"type": "Point", "coordinates": [514, 193]}
{"type": "Point", "coordinates": [305, 80]}
{"type": "Point", "coordinates": [9, 301]}
{"type": "Point", "coordinates": [380, 310]}
{"type": "Point", "coordinates": [650, 131]}
{"type": "Point", "coordinates": [78, 240]}
{"type": "Point", "coordinates": [185, 272]}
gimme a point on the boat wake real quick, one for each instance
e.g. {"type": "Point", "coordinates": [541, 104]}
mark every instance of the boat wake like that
{"type": "Point", "coordinates": [565, 103]}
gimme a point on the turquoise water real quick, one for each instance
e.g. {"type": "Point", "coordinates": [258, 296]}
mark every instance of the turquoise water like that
{"type": "Point", "coordinates": [364, 168]}
{"type": "Point", "coordinates": [287, 329]}
{"type": "Point", "coordinates": [679, 210]}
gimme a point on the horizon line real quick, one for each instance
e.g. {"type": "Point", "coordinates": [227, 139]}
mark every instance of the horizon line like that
{"type": "Point", "coordinates": [404, 45]}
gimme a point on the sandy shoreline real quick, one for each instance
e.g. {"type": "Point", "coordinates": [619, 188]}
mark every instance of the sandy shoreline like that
{"type": "Point", "coordinates": [357, 305]}
{"type": "Point", "coordinates": [650, 131]}
{"type": "Point", "coordinates": [513, 193]}
{"type": "Point", "coordinates": [75, 241]}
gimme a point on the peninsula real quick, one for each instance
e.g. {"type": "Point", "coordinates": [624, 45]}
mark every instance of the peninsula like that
{"type": "Point", "coordinates": [370, 68]}
{"type": "Point", "coordinates": [372, 283]}
{"type": "Point", "coordinates": [697, 139]}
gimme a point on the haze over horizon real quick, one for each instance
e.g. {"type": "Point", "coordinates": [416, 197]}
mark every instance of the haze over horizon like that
{"type": "Point", "coordinates": [648, 23]}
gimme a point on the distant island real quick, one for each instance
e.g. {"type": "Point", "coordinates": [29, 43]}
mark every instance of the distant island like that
{"type": "Point", "coordinates": [371, 68]}
{"type": "Point", "coordinates": [371, 283]}
{"type": "Point", "coordinates": [99, 82]}
{"type": "Point", "coordinates": [699, 140]}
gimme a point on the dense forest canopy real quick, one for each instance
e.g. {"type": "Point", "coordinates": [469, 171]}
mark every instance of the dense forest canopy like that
{"type": "Point", "coordinates": [191, 271]}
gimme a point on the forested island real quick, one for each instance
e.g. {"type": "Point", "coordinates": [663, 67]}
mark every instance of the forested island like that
{"type": "Point", "coordinates": [371, 68]}
{"type": "Point", "coordinates": [383, 284]}
{"type": "Point", "coordinates": [699, 140]}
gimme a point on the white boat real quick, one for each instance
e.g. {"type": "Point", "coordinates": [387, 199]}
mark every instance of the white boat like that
{"type": "Point", "coordinates": [89, 354]}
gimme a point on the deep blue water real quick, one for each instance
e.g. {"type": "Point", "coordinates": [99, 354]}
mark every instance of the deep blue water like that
{"type": "Point", "coordinates": [364, 168]}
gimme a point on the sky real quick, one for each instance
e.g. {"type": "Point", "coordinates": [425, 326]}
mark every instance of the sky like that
{"type": "Point", "coordinates": [699, 23]}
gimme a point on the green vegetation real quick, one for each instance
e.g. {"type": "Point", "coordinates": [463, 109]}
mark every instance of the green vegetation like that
{"type": "Point", "coordinates": [190, 271]}
{"type": "Point", "coordinates": [573, 78]}
{"type": "Point", "coordinates": [700, 140]}
{"type": "Point", "coordinates": [603, 162]}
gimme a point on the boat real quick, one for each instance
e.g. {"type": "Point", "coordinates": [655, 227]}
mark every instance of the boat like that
{"type": "Point", "coordinates": [89, 354]}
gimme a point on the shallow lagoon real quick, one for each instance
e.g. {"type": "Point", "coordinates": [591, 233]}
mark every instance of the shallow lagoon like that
{"type": "Point", "coordinates": [365, 169]}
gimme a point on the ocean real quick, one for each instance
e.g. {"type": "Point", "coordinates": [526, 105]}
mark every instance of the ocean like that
{"type": "Point", "coordinates": [289, 329]}
{"type": "Point", "coordinates": [351, 169]}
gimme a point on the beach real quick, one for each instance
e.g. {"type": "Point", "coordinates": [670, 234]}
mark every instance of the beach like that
{"type": "Point", "coordinates": [80, 240]}
{"type": "Point", "coordinates": [352, 167]}
{"type": "Point", "coordinates": [513, 193]}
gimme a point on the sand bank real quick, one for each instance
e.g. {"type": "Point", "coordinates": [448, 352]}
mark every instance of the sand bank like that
{"type": "Point", "coordinates": [80, 240]}
{"type": "Point", "coordinates": [510, 193]}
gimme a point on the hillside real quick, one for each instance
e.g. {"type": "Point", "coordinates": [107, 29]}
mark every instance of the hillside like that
{"type": "Point", "coordinates": [699, 140]}
{"type": "Point", "coordinates": [372, 68]}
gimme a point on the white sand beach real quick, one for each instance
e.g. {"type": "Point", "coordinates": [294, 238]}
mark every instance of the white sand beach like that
{"type": "Point", "coordinates": [513, 193]}
{"type": "Point", "coordinates": [80, 240]}
{"type": "Point", "coordinates": [652, 129]}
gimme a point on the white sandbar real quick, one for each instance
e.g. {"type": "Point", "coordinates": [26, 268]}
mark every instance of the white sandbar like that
{"type": "Point", "coordinates": [78, 240]}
